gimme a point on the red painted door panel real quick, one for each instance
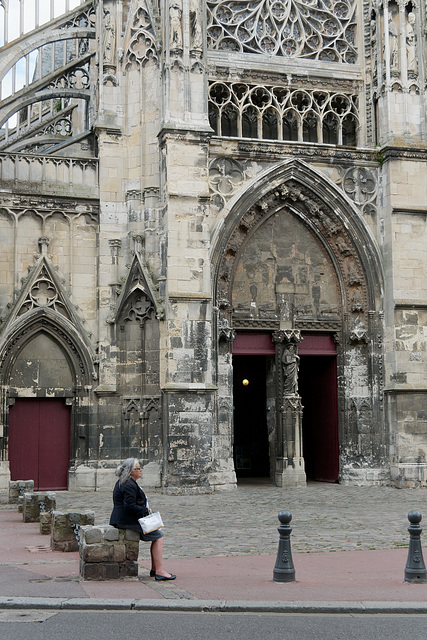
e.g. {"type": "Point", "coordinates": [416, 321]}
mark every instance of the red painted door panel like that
{"type": "Point", "coordinates": [39, 442]}
{"type": "Point", "coordinates": [318, 389]}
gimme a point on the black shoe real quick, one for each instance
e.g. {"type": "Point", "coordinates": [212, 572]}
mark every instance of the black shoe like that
{"type": "Point", "coordinates": [152, 573]}
{"type": "Point", "coordinates": [171, 577]}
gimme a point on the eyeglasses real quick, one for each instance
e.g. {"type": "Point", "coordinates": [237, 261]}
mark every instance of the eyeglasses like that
{"type": "Point", "coordinates": [137, 469]}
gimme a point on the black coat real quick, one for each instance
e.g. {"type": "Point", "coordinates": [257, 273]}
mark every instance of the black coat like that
{"type": "Point", "coordinates": [130, 503]}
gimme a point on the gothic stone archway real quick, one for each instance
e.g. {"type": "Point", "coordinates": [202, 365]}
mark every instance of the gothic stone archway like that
{"type": "Point", "coordinates": [45, 372]}
{"type": "Point", "coordinates": [295, 257]}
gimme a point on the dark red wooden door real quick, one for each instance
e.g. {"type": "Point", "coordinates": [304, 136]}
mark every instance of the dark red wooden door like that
{"type": "Point", "coordinates": [39, 442]}
{"type": "Point", "coordinates": [318, 390]}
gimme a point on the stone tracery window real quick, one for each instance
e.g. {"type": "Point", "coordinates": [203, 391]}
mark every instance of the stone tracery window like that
{"type": "Point", "coordinates": [312, 29]}
{"type": "Point", "coordinates": [270, 123]}
{"type": "Point", "coordinates": [279, 113]}
{"type": "Point", "coordinates": [310, 127]}
{"type": "Point", "coordinates": [290, 125]}
{"type": "Point", "coordinates": [330, 129]}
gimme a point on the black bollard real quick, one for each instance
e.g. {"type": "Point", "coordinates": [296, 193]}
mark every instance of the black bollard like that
{"type": "Point", "coordinates": [284, 570]}
{"type": "Point", "coordinates": [415, 570]}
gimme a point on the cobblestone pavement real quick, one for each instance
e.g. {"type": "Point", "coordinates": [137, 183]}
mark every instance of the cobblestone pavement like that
{"type": "Point", "coordinates": [325, 517]}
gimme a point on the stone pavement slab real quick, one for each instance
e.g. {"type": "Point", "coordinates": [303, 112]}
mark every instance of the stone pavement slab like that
{"type": "Point", "coordinates": [339, 549]}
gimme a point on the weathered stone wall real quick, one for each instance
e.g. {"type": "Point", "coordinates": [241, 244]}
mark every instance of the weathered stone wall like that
{"type": "Point", "coordinates": [254, 185]}
{"type": "Point", "coordinates": [406, 316]}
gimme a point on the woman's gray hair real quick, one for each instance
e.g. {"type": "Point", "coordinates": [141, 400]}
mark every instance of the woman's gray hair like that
{"type": "Point", "coordinates": [124, 469]}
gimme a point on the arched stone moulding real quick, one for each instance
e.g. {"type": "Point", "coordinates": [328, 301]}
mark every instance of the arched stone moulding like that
{"type": "Point", "coordinates": [297, 189]}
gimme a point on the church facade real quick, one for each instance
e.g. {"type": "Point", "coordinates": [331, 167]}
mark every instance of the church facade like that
{"type": "Point", "coordinates": [213, 242]}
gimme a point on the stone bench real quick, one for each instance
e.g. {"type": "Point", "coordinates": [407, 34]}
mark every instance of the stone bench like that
{"type": "Point", "coordinates": [107, 553]}
{"type": "Point", "coordinates": [36, 503]}
{"type": "Point", "coordinates": [66, 529]}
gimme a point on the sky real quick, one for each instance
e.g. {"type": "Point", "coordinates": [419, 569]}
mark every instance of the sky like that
{"type": "Point", "coordinates": [29, 22]}
{"type": "Point", "coordinates": [59, 7]}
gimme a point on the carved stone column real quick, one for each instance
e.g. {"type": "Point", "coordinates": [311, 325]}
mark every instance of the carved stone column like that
{"type": "Point", "coordinates": [290, 470]}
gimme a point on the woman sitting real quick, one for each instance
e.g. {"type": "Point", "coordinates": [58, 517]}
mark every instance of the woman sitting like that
{"type": "Point", "coordinates": [130, 503]}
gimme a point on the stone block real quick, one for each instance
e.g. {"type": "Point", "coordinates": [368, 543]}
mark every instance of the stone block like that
{"type": "Point", "coordinates": [66, 529]}
{"type": "Point", "coordinates": [110, 571]}
{"type": "Point", "coordinates": [17, 488]}
{"type": "Point", "coordinates": [111, 535]}
{"type": "Point", "coordinates": [84, 518]}
{"type": "Point", "coordinates": [112, 557]}
{"type": "Point", "coordinates": [90, 571]}
{"type": "Point", "coordinates": [96, 552]}
{"type": "Point", "coordinates": [131, 535]}
{"type": "Point", "coordinates": [45, 523]}
{"type": "Point", "coordinates": [119, 553]}
{"type": "Point", "coordinates": [128, 569]}
{"type": "Point", "coordinates": [132, 551]}
{"type": "Point", "coordinates": [92, 535]}
{"type": "Point", "coordinates": [36, 503]}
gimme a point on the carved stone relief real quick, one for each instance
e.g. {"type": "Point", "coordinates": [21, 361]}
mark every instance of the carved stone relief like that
{"type": "Point", "coordinates": [361, 426]}
{"type": "Point", "coordinates": [360, 184]}
{"type": "Point", "coordinates": [225, 177]}
{"type": "Point", "coordinates": [283, 273]}
{"type": "Point", "coordinates": [142, 47]}
{"type": "Point", "coordinates": [276, 269]}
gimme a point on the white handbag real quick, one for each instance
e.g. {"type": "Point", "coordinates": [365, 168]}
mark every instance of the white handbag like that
{"type": "Point", "coordinates": [151, 522]}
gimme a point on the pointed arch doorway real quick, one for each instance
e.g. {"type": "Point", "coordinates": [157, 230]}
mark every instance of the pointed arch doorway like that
{"type": "Point", "coordinates": [40, 378]}
{"type": "Point", "coordinates": [293, 255]}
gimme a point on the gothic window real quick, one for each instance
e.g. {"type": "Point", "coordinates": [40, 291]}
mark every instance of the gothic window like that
{"type": "Point", "coordinates": [349, 125]}
{"type": "Point", "coordinates": [301, 100]}
{"type": "Point", "coordinates": [290, 126]}
{"type": "Point", "coordinates": [229, 121]}
{"type": "Point", "coordinates": [250, 123]}
{"type": "Point", "coordinates": [219, 93]}
{"type": "Point", "coordinates": [278, 113]}
{"type": "Point", "coordinates": [330, 129]}
{"type": "Point", "coordinates": [309, 128]}
{"type": "Point", "coordinates": [341, 104]}
{"type": "Point", "coordinates": [270, 125]}
{"type": "Point", "coordinates": [213, 117]}
{"type": "Point", "coordinates": [292, 29]}
{"type": "Point", "coordinates": [260, 97]}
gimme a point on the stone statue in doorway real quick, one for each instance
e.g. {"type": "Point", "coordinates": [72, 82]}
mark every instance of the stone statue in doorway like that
{"type": "Point", "coordinates": [290, 366]}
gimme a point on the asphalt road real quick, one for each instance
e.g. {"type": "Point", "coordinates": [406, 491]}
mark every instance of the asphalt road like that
{"type": "Point", "coordinates": [135, 625]}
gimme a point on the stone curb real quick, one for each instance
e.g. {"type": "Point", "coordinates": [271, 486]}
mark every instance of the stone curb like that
{"type": "Point", "coordinates": [220, 606]}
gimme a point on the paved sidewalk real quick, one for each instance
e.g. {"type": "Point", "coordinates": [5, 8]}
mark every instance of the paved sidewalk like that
{"type": "Point", "coordinates": [349, 549]}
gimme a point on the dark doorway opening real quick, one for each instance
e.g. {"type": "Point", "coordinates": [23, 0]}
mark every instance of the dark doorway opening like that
{"type": "Point", "coordinates": [39, 442]}
{"type": "Point", "coordinates": [318, 390]}
{"type": "Point", "coordinates": [251, 448]}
